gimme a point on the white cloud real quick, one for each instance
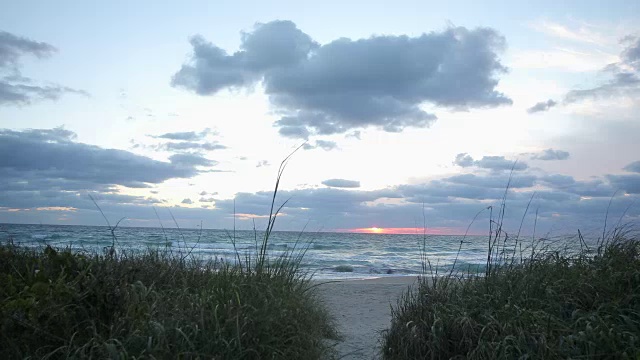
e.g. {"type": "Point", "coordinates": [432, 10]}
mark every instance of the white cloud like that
{"type": "Point", "coordinates": [580, 32]}
{"type": "Point", "coordinates": [561, 58]}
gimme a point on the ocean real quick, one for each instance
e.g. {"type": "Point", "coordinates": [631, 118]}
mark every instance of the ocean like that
{"type": "Point", "coordinates": [328, 255]}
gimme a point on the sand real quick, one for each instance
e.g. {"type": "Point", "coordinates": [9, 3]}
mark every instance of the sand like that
{"type": "Point", "coordinates": [362, 309]}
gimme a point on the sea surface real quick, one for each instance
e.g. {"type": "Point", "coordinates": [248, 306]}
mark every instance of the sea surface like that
{"type": "Point", "coordinates": [328, 255]}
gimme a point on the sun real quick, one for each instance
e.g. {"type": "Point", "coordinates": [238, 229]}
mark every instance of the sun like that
{"type": "Point", "coordinates": [376, 230]}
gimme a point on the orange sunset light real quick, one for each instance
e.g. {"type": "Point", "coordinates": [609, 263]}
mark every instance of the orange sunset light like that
{"type": "Point", "coordinates": [398, 230]}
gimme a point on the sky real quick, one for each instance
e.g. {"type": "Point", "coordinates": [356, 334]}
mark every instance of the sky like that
{"type": "Point", "coordinates": [406, 114]}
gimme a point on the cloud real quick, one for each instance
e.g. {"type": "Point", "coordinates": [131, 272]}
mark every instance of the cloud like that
{"type": "Point", "coordinates": [322, 144]}
{"type": "Point", "coordinates": [562, 59]}
{"type": "Point", "coordinates": [186, 141]}
{"type": "Point", "coordinates": [186, 136]}
{"type": "Point", "coordinates": [262, 163]}
{"type": "Point", "coordinates": [567, 184]}
{"type": "Point", "coordinates": [628, 183]}
{"type": "Point", "coordinates": [16, 89]}
{"type": "Point", "coordinates": [495, 163]}
{"type": "Point", "coordinates": [13, 47]}
{"type": "Point", "coordinates": [191, 159]}
{"type": "Point", "coordinates": [631, 54]}
{"type": "Point", "coordinates": [53, 154]}
{"type": "Point", "coordinates": [624, 75]}
{"type": "Point", "coordinates": [48, 168]}
{"type": "Point", "coordinates": [345, 85]}
{"type": "Point", "coordinates": [187, 201]}
{"type": "Point", "coordinates": [293, 131]}
{"type": "Point", "coordinates": [633, 167]}
{"type": "Point", "coordinates": [542, 106]}
{"type": "Point", "coordinates": [326, 145]}
{"type": "Point", "coordinates": [444, 191]}
{"type": "Point", "coordinates": [551, 154]}
{"type": "Point", "coordinates": [356, 134]}
{"type": "Point", "coordinates": [189, 145]}
{"type": "Point", "coordinates": [450, 202]}
{"type": "Point", "coordinates": [493, 181]}
{"type": "Point", "coordinates": [463, 160]}
{"type": "Point", "coordinates": [581, 34]}
{"type": "Point", "coordinates": [25, 94]}
{"type": "Point", "coordinates": [500, 163]}
{"type": "Point", "coordinates": [558, 180]}
{"type": "Point", "coordinates": [622, 83]}
{"type": "Point", "coordinates": [341, 183]}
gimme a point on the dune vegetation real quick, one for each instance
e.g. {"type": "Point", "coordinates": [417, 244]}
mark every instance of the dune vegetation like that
{"type": "Point", "coordinates": [537, 302]}
{"type": "Point", "coordinates": [60, 304]}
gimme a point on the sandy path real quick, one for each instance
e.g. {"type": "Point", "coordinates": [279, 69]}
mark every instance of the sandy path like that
{"type": "Point", "coordinates": [362, 310]}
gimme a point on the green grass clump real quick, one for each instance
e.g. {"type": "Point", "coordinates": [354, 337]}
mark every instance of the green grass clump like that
{"type": "Point", "coordinates": [60, 304]}
{"type": "Point", "coordinates": [555, 305]}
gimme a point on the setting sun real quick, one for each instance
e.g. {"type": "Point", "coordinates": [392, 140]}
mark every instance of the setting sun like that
{"type": "Point", "coordinates": [376, 230]}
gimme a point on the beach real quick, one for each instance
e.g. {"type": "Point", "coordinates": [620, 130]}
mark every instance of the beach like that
{"type": "Point", "coordinates": [362, 309]}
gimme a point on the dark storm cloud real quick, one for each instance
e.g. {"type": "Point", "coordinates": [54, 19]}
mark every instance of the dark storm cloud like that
{"type": "Point", "coordinates": [348, 84]}
{"type": "Point", "coordinates": [551, 154]}
{"type": "Point", "coordinates": [16, 89]}
{"type": "Point", "coordinates": [542, 106]}
{"type": "Point", "coordinates": [633, 167]}
{"type": "Point", "coordinates": [341, 183]}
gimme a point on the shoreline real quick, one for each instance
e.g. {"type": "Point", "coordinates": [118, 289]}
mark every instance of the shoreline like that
{"type": "Point", "coordinates": [388, 280]}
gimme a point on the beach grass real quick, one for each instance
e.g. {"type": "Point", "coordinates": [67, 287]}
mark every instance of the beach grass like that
{"type": "Point", "coordinates": [160, 304]}
{"type": "Point", "coordinates": [551, 304]}
{"type": "Point", "coordinates": [60, 304]}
